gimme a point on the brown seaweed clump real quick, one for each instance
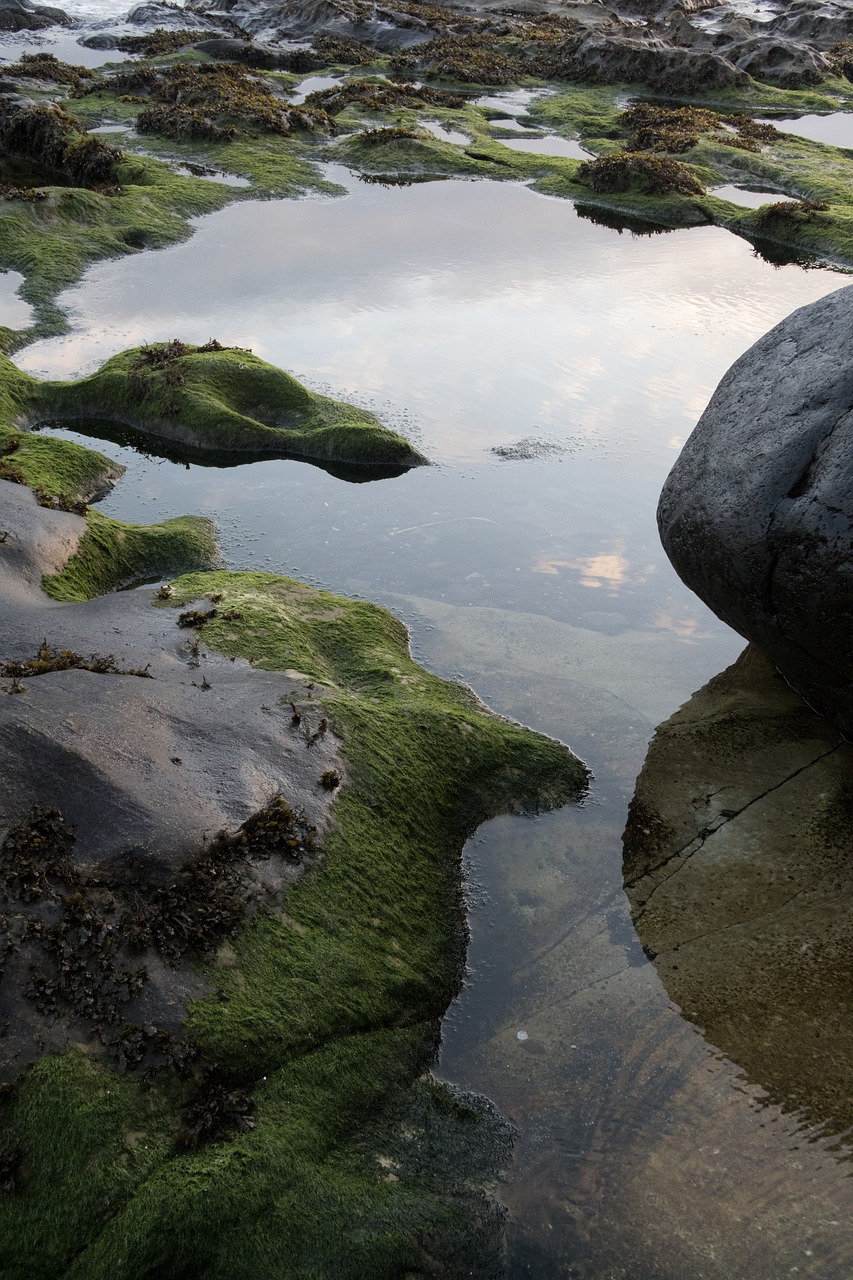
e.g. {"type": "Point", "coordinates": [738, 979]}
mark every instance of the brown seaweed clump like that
{"type": "Point", "coordinates": [676, 129]}
{"type": "Point", "coordinates": [47, 134]}
{"type": "Point", "coordinates": [791, 211]}
{"type": "Point", "coordinates": [162, 40]}
{"type": "Point", "coordinates": [379, 96]}
{"type": "Point", "coordinates": [209, 100]}
{"type": "Point", "coordinates": [635, 170]}
{"type": "Point", "coordinates": [46, 66]}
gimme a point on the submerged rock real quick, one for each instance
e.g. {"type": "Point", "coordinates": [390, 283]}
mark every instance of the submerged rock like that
{"type": "Point", "coordinates": [737, 867]}
{"type": "Point", "coordinates": [756, 515]}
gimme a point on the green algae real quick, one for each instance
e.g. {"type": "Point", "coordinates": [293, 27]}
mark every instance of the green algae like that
{"type": "Point", "coordinates": [112, 555]}
{"type": "Point", "coordinates": [328, 1010]}
{"type": "Point", "coordinates": [52, 241]}
{"type": "Point", "coordinates": [222, 400]}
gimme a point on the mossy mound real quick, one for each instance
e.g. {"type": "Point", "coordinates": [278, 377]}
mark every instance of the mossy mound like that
{"type": "Point", "coordinates": [113, 555]}
{"type": "Point", "coordinates": [345, 1161]}
{"type": "Point", "coordinates": [223, 400]}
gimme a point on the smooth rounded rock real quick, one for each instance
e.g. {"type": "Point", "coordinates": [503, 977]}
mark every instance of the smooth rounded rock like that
{"type": "Point", "coordinates": [757, 513]}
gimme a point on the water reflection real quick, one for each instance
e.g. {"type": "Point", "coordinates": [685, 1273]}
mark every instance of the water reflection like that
{"type": "Point", "coordinates": [472, 315]}
{"type": "Point", "coordinates": [738, 872]}
{"type": "Point", "coordinates": [835, 129]}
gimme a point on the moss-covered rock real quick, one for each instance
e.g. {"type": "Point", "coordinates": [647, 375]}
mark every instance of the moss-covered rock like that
{"type": "Point", "coordinates": [324, 1009]}
{"type": "Point", "coordinates": [219, 400]}
{"type": "Point", "coordinates": [112, 555]}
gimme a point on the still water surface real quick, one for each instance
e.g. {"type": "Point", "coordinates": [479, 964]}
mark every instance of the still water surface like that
{"type": "Point", "coordinates": [471, 315]}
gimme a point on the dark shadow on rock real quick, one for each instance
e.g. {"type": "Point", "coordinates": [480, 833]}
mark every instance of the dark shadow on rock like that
{"type": "Point", "coordinates": [737, 867]}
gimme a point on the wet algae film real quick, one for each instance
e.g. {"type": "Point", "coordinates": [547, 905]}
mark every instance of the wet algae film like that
{"type": "Point", "coordinates": [276, 1117]}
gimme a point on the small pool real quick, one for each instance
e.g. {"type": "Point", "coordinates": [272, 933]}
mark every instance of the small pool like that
{"type": "Point", "coordinates": [834, 129]}
{"type": "Point", "coordinates": [14, 312]}
{"type": "Point", "coordinates": [437, 130]}
{"type": "Point", "coordinates": [552, 145]}
{"type": "Point", "coordinates": [748, 199]}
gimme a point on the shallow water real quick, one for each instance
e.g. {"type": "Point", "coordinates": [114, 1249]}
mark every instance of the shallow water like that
{"type": "Point", "coordinates": [14, 312]}
{"type": "Point", "coordinates": [552, 145]}
{"type": "Point", "coordinates": [471, 315]}
{"type": "Point", "coordinates": [445, 135]}
{"type": "Point", "coordinates": [313, 84]}
{"type": "Point", "coordinates": [835, 129]}
{"type": "Point", "coordinates": [748, 199]}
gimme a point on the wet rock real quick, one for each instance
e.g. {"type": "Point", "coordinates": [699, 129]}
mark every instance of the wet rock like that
{"type": "Point", "coordinates": [611, 59]}
{"type": "Point", "coordinates": [19, 15]}
{"type": "Point", "coordinates": [77, 724]}
{"type": "Point", "coordinates": [816, 22]}
{"type": "Point", "coordinates": [230, 49]}
{"type": "Point", "coordinates": [756, 515]}
{"type": "Point", "coordinates": [162, 13]}
{"type": "Point", "coordinates": [778, 59]}
{"type": "Point", "coordinates": [737, 867]}
{"type": "Point", "coordinates": [376, 25]}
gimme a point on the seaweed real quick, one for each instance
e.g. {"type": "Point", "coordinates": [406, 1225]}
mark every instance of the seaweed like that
{"type": "Point", "coordinates": [676, 129]}
{"type": "Point", "coordinates": [385, 95]}
{"type": "Point", "coordinates": [651, 175]}
{"type": "Point", "coordinates": [48, 660]}
{"type": "Point", "coordinates": [208, 100]}
{"type": "Point", "coordinates": [49, 135]}
{"type": "Point", "coordinates": [215, 1110]}
{"type": "Point", "coordinates": [791, 211]}
{"type": "Point", "coordinates": [163, 40]}
{"type": "Point", "coordinates": [46, 66]}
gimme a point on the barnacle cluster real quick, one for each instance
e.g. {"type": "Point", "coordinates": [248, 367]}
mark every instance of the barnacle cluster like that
{"type": "Point", "coordinates": [85, 939]}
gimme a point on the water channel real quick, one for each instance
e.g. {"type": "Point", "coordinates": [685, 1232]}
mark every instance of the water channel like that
{"type": "Point", "coordinates": [551, 368]}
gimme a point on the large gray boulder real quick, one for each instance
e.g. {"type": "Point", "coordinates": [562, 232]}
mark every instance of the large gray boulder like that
{"type": "Point", "coordinates": [757, 513]}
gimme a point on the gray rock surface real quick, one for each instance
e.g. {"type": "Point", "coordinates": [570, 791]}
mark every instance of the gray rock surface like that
{"type": "Point", "coordinates": [146, 771]}
{"type": "Point", "coordinates": [18, 15]}
{"type": "Point", "coordinates": [818, 22]}
{"type": "Point", "coordinates": [757, 513]}
{"type": "Point", "coordinates": [612, 58]}
{"type": "Point", "coordinates": [778, 59]}
{"type": "Point", "coordinates": [737, 867]}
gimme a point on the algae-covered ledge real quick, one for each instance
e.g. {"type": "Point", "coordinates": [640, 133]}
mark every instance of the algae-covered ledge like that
{"type": "Point", "coordinates": [213, 401]}
{"type": "Point", "coordinates": [255, 1135]}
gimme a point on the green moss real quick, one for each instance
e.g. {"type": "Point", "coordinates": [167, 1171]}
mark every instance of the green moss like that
{"type": "Point", "coordinates": [222, 400]}
{"type": "Point", "coordinates": [112, 555]}
{"type": "Point", "coordinates": [52, 241]}
{"type": "Point", "coordinates": [329, 1009]}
